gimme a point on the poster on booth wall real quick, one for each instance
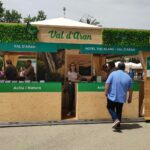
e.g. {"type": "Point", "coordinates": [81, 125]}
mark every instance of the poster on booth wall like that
{"type": "Point", "coordinates": [51, 66]}
{"type": "Point", "coordinates": [148, 66]}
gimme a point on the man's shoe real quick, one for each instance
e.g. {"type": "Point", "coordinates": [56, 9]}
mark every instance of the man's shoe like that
{"type": "Point", "coordinates": [116, 122]}
{"type": "Point", "coordinates": [118, 127]}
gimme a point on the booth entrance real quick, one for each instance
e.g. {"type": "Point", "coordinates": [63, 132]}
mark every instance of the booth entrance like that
{"type": "Point", "coordinates": [84, 66]}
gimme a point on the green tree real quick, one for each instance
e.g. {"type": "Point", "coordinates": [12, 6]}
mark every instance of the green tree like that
{"type": "Point", "coordinates": [90, 20]}
{"type": "Point", "coordinates": [29, 19]}
{"type": "Point", "coordinates": [1, 11]}
{"type": "Point", "coordinates": [41, 16]}
{"type": "Point", "coordinates": [12, 16]}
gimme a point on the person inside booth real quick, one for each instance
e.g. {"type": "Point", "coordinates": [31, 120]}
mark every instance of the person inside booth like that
{"type": "Point", "coordinates": [72, 76]}
{"type": "Point", "coordinates": [29, 71]}
{"type": "Point", "coordinates": [11, 72]}
{"type": "Point", "coordinates": [111, 67]}
{"type": "Point", "coordinates": [1, 74]}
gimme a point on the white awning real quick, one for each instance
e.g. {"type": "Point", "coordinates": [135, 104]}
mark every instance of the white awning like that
{"type": "Point", "coordinates": [65, 22]}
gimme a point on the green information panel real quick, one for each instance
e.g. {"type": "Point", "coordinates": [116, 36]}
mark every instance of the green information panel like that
{"type": "Point", "coordinates": [30, 87]}
{"type": "Point", "coordinates": [91, 87]}
{"type": "Point", "coordinates": [100, 87]}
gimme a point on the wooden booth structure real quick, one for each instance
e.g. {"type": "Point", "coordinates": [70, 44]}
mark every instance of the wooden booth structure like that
{"type": "Point", "coordinates": [61, 42]}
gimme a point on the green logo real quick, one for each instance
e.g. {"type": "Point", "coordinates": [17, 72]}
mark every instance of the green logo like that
{"type": "Point", "coordinates": [69, 35]}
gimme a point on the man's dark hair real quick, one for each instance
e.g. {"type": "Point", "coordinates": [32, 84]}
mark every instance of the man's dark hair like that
{"type": "Point", "coordinates": [121, 66]}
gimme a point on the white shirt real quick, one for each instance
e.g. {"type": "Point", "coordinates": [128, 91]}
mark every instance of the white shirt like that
{"type": "Point", "coordinates": [72, 76]}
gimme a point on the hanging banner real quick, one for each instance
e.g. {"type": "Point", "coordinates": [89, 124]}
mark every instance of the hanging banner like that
{"type": "Point", "coordinates": [84, 48]}
{"type": "Point", "coordinates": [28, 47]}
{"type": "Point", "coordinates": [105, 49]}
{"type": "Point", "coordinates": [36, 47]}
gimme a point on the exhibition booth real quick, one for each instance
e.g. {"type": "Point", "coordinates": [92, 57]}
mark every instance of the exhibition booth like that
{"type": "Point", "coordinates": [62, 42]}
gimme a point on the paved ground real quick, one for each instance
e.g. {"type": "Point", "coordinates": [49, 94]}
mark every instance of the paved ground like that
{"type": "Point", "coordinates": [134, 136]}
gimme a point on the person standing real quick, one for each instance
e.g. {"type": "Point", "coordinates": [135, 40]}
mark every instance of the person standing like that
{"type": "Point", "coordinates": [29, 71]}
{"type": "Point", "coordinates": [10, 71]}
{"type": "Point", "coordinates": [116, 88]}
{"type": "Point", "coordinates": [72, 78]}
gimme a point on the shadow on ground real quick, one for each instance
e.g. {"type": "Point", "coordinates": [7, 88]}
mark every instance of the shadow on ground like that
{"type": "Point", "coordinates": [125, 126]}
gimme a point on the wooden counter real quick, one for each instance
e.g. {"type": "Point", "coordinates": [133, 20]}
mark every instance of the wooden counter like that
{"type": "Point", "coordinates": [91, 102]}
{"type": "Point", "coordinates": [30, 102]}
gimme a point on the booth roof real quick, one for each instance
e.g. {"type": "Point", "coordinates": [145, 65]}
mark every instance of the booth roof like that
{"type": "Point", "coordinates": [65, 22]}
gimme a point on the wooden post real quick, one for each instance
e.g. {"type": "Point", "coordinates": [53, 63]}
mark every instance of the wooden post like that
{"type": "Point", "coordinates": [144, 55]}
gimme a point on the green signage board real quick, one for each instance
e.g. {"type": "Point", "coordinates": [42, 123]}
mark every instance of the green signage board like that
{"type": "Point", "coordinates": [30, 87]}
{"type": "Point", "coordinates": [103, 49]}
{"type": "Point", "coordinates": [37, 47]}
{"type": "Point", "coordinates": [100, 87]}
{"type": "Point", "coordinates": [91, 87]}
{"type": "Point", "coordinates": [28, 47]}
{"type": "Point", "coordinates": [84, 48]}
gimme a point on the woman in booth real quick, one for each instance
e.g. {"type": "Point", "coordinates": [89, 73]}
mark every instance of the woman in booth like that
{"type": "Point", "coordinates": [73, 77]}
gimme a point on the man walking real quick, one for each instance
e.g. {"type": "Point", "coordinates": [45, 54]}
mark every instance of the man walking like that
{"type": "Point", "coordinates": [116, 88]}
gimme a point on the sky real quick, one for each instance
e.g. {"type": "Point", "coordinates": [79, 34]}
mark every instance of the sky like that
{"type": "Point", "coordinates": [134, 14]}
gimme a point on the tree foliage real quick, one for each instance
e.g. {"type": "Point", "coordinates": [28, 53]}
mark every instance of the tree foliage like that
{"type": "Point", "coordinates": [40, 16]}
{"type": "Point", "coordinates": [1, 10]}
{"type": "Point", "coordinates": [29, 19]}
{"type": "Point", "coordinates": [9, 16]}
{"type": "Point", "coordinates": [89, 20]}
{"type": "Point", "coordinates": [12, 16]}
